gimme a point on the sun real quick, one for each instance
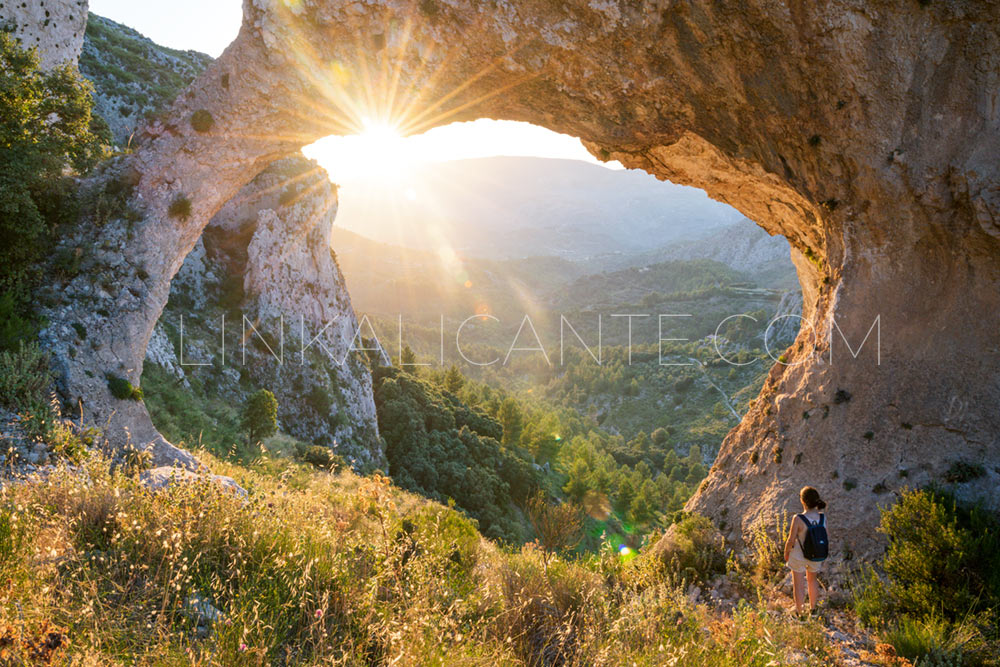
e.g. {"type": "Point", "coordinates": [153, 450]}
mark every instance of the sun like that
{"type": "Point", "coordinates": [378, 153]}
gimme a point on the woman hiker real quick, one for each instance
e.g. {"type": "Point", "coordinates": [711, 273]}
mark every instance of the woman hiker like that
{"type": "Point", "coordinates": [807, 547]}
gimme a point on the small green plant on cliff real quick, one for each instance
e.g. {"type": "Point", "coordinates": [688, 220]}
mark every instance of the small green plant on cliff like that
{"type": "Point", "coordinates": [180, 208]}
{"type": "Point", "coordinates": [961, 472]}
{"type": "Point", "coordinates": [122, 389]}
{"type": "Point", "coordinates": [202, 120]}
{"type": "Point", "coordinates": [260, 416]}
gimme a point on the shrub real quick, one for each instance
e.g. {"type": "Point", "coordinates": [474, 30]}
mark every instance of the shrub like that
{"type": "Point", "coordinates": [942, 558]}
{"type": "Point", "coordinates": [260, 416]}
{"type": "Point", "coordinates": [692, 549]}
{"type": "Point", "coordinates": [67, 442]}
{"type": "Point", "coordinates": [961, 472]}
{"type": "Point", "coordinates": [122, 389]}
{"type": "Point", "coordinates": [559, 526]}
{"type": "Point", "coordinates": [322, 457]}
{"type": "Point", "coordinates": [940, 595]}
{"type": "Point", "coordinates": [202, 120]}
{"type": "Point", "coordinates": [180, 208]}
{"type": "Point", "coordinates": [24, 378]}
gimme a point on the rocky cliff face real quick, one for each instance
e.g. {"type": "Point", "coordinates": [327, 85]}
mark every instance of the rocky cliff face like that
{"type": "Point", "coordinates": [864, 132]}
{"type": "Point", "coordinates": [54, 27]}
{"type": "Point", "coordinates": [266, 257]}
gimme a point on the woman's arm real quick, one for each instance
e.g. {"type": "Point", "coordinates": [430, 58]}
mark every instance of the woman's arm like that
{"type": "Point", "coordinates": [793, 533]}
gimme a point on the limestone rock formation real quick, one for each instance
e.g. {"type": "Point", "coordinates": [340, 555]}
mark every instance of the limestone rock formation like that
{"type": "Point", "coordinates": [54, 27]}
{"type": "Point", "coordinates": [266, 256]}
{"type": "Point", "coordinates": [866, 132]}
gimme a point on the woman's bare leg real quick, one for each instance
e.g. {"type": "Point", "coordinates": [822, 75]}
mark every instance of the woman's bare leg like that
{"type": "Point", "coordinates": [798, 590]}
{"type": "Point", "coordinates": [813, 590]}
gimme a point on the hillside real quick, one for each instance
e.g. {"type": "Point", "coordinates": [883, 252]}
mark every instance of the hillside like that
{"type": "Point", "coordinates": [313, 567]}
{"type": "Point", "coordinates": [133, 76]}
{"type": "Point", "coordinates": [742, 246]}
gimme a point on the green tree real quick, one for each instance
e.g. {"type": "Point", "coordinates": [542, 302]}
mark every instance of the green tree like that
{"type": "Point", "coordinates": [512, 420]}
{"type": "Point", "coordinates": [576, 487]}
{"type": "Point", "coordinates": [260, 416]}
{"type": "Point", "coordinates": [644, 503]}
{"type": "Point", "coordinates": [625, 495]}
{"type": "Point", "coordinates": [454, 380]}
{"type": "Point", "coordinates": [45, 135]}
{"type": "Point", "coordinates": [407, 359]}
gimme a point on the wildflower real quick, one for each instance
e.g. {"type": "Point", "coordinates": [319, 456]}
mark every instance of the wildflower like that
{"type": "Point", "coordinates": [243, 648]}
{"type": "Point", "coordinates": [319, 613]}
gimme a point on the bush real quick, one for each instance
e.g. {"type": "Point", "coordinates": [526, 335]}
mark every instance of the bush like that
{"type": "Point", "coordinates": [180, 208]}
{"type": "Point", "coordinates": [692, 549]}
{"type": "Point", "coordinates": [322, 457]}
{"type": "Point", "coordinates": [122, 389]}
{"type": "Point", "coordinates": [25, 378]}
{"type": "Point", "coordinates": [942, 577]}
{"type": "Point", "coordinates": [202, 120]}
{"type": "Point", "coordinates": [961, 472]}
{"type": "Point", "coordinates": [942, 558]}
{"type": "Point", "coordinates": [558, 526]}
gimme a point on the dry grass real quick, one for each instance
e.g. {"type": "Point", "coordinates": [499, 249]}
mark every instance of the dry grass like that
{"type": "Point", "coordinates": [314, 568]}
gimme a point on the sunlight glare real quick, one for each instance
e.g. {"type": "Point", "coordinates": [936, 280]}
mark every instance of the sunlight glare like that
{"type": "Point", "coordinates": [380, 156]}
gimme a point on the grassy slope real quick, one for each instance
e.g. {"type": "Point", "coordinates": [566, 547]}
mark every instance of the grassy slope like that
{"type": "Point", "coordinates": [314, 568]}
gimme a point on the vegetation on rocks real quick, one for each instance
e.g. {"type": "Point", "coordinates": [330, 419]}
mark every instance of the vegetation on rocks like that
{"type": "Point", "coordinates": [45, 138]}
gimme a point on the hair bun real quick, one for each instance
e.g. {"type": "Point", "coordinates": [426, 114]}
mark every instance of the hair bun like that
{"type": "Point", "coordinates": [821, 505]}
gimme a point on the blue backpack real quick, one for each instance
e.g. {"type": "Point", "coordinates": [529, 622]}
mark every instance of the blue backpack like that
{"type": "Point", "coordinates": [815, 545]}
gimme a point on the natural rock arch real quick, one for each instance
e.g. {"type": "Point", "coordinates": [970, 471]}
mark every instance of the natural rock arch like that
{"type": "Point", "coordinates": [865, 132]}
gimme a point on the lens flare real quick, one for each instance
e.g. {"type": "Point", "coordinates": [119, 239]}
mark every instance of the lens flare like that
{"type": "Point", "coordinates": [597, 505]}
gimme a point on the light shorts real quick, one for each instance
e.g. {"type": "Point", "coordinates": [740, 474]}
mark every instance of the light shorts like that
{"type": "Point", "coordinates": [800, 564]}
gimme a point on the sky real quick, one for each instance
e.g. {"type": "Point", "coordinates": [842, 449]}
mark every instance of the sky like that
{"type": "Point", "coordinates": [170, 23]}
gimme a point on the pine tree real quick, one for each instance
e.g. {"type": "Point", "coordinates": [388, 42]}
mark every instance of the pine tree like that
{"type": "Point", "coordinates": [512, 420]}
{"type": "Point", "coordinates": [453, 379]}
{"type": "Point", "coordinates": [407, 359]}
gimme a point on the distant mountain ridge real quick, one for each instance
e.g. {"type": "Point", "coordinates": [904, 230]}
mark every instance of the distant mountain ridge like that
{"type": "Point", "coordinates": [515, 207]}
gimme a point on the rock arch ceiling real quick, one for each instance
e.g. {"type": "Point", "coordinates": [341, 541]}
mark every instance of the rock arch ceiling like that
{"type": "Point", "coordinates": [866, 132]}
